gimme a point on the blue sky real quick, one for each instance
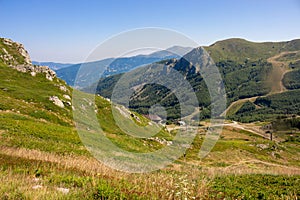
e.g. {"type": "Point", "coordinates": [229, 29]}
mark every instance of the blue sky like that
{"type": "Point", "coordinates": [66, 31]}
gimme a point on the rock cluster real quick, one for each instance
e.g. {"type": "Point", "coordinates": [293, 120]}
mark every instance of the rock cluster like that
{"type": "Point", "coordinates": [162, 141]}
{"type": "Point", "coordinates": [10, 59]}
{"type": "Point", "coordinates": [57, 101]}
{"type": "Point", "coordinates": [23, 65]}
{"type": "Point", "coordinates": [61, 103]}
{"type": "Point", "coordinates": [34, 69]}
{"type": "Point", "coordinates": [14, 55]}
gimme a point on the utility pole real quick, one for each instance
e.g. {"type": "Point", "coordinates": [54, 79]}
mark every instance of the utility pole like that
{"type": "Point", "coordinates": [271, 135]}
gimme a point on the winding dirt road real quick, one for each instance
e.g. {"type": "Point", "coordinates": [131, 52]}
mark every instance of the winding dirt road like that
{"type": "Point", "coordinates": [280, 68]}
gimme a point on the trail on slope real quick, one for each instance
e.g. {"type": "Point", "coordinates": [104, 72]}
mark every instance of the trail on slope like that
{"type": "Point", "coordinates": [280, 68]}
{"type": "Point", "coordinates": [236, 103]}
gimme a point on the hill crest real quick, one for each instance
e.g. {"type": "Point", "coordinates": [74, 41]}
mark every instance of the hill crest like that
{"type": "Point", "coordinates": [14, 55]}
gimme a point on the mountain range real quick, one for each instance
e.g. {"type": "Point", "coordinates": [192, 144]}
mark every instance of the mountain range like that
{"type": "Point", "coordinates": [52, 65]}
{"type": "Point", "coordinates": [42, 154]}
{"type": "Point", "coordinates": [111, 66]}
{"type": "Point", "coordinates": [253, 73]}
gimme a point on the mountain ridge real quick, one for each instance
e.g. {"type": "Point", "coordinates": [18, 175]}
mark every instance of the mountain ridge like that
{"type": "Point", "coordinates": [53, 65]}
{"type": "Point", "coordinates": [111, 66]}
{"type": "Point", "coordinates": [243, 65]}
{"type": "Point", "coordinates": [225, 49]}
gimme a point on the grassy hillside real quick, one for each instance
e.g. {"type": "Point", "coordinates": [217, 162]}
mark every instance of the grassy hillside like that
{"type": "Point", "coordinates": [25, 100]}
{"type": "Point", "coordinates": [36, 135]}
{"type": "Point", "coordinates": [243, 65]}
{"type": "Point", "coordinates": [42, 156]}
{"type": "Point", "coordinates": [241, 50]}
{"type": "Point", "coordinates": [270, 107]}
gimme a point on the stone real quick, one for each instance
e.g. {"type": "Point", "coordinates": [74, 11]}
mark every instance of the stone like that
{"type": "Point", "coordinates": [57, 101]}
{"type": "Point", "coordinates": [63, 88]}
{"type": "Point", "coordinates": [63, 190]}
{"type": "Point", "coordinates": [67, 97]}
{"type": "Point", "coordinates": [49, 77]}
{"type": "Point", "coordinates": [37, 187]}
{"type": "Point", "coordinates": [262, 146]}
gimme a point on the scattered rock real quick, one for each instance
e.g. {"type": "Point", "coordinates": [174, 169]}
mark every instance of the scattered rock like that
{"type": "Point", "coordinates": [82, 107]}
{"type": "Point", "coordinates": [4, 50]}
{"type": "Point", "coordinates": [273, 154]}
{"type": "Point", "coordinates": [162, 141]}
{"type": "Point", "coordinates": [262, 146]}
{"type": "Point", "coordinates": [63, 190]}
{"type": "Point", "coordinates": [57, 101]}
{"type": "Point", "coordinates": [67, 97]}
{"type": "Point", "coordinates": [36, 179]}
{"type": "Point", "coordinates": [33, 70]}
{"type": "Point", "coordinates": [49, 77]}
{"type": "Point", "coordinates": [37, 187]}
{"type": "Point", "coordinates": [63, 88]}
{"type": "Point", "coordinates": [50, 74]}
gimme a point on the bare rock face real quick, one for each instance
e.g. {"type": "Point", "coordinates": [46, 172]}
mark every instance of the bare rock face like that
{"type": "Point", "coordinates": [15, 56]}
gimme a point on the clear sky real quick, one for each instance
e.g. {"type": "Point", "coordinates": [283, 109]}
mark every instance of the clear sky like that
{"type": "Point", "coordinates": [67, 30]}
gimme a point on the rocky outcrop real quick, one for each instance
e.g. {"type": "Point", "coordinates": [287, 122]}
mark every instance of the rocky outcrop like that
{"type": "Point", "coordinates": [11, 47]}
{"type": "Point", "coordinates": [34, 69]}
{"type": "Point", "coordinates": [14, 55]}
